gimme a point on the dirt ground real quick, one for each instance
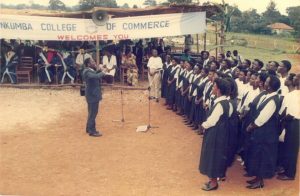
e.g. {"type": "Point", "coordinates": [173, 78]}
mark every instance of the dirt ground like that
{"type": "Point", "coordinates": [45, 150]}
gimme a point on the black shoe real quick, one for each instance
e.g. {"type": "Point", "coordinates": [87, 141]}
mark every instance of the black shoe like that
{"type": "Point", "coordinates": [207, 187]}
{"type": "Point", "coordinates": [247, 175]}
{"type": "Point", "coordinates": [280, 170]}
{"type": "Point", "coordinates": [195, 128]}
{"type": "Point", "coordinates": [252, 181]}
{"type": "Point", "coordinates": [95, 134]}
{"type": "Point", "coordinates": [200, 132]}
{"type": "Point", "coordinates": [284, 177]}
{"type": "Point", "coordinates": [256, 185]}
{"type": "Point", "coordinates": [88, 132]}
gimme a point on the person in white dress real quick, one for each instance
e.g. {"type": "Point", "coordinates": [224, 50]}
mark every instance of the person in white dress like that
{"type": "Point", "coordinates": [154, 75]}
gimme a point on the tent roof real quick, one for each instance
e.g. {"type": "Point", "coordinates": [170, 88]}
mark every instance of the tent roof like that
{"type": "Point", "coordinates": [117, 12]}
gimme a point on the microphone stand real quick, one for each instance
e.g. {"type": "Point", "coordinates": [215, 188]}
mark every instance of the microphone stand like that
{"type": "Point", "coordinates": [149, 126]}
{"type": "Point", "coordinates": [122, 109]}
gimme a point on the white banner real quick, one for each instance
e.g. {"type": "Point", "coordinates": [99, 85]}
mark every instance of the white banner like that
{"type": "Point", "coordinates": [74, 29]}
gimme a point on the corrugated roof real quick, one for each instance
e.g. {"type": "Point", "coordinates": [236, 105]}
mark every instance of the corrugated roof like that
{"type": "Point", "coordinates": [279, 25]}
{"type": "Point", "coordinates": [118, 12]}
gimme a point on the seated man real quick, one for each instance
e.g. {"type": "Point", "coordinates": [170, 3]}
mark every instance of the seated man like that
{"type": "Point", "coordinates": [109, 63]}
{"type": "Point", "coordinates": [11, 61]}
{"type": "Point", "coordinates": [66, 68]}
{"type": "Point", "coordinates": [80, 58]}
{"type": "Point", "coordinates": [129, 63]}
{"type": "Point", "coordinates": [47, 59]}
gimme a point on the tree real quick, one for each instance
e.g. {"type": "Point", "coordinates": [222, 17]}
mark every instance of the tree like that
{"type": "Point", "coordinates": [224, 16]}
{"type": "Point", "coordinates": [21, 6]}
{"type": "Point", "coordinates": [294, 17]}
{"type": "Point", "coordinates": [149, 3]}
{"type": "Point", "coordinates": [125, 5]}
{"type": "Point", "coordinates": [56, 5]}
{"type": "Point", "coordinates": [134, 6]}
{"type": "Point", "coordinates": [180, 1]}
{"type": "Point", "coordinates": [271, 15]}
{"type": "Point", "coordinates": [89, 4]}
{"type": "Point", "coordinates": [38, 6]}
{"type": "Point", "coordinates": [234, 21]}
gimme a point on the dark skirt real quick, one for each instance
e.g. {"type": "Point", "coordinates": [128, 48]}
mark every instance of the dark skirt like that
{"type": "Point", "coordinates": [232, 138]}
{"type": "Point", "coordinates": [200, 114]}
{"type": "Point", "coordinates": [193, 110]}
{"type": "Point", "coordinates": [171, 95]}
{"type": "Point", "coordinates": [213, 160]}
{"type": "Point", "coordinates": [187, 106]}
{"type": "Point", "coordinates": [164, 87]}
{"type": "Point", "coordinates": [262, 159]}
{"type": "Point", "coordinates": [291, 148]}
{"type": "Point", "coordinates": [178, 98]}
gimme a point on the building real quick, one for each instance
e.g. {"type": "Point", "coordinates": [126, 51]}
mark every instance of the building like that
{"type": "Point", "coordinates": [280, 28]}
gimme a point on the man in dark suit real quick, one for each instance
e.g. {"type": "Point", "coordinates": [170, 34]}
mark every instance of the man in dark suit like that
{"type": "Point", "coordinates": [93, 94]}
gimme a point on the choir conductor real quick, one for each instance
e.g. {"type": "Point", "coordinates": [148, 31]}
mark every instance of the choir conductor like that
{"type": "Point", "coordinates": [93, 95]}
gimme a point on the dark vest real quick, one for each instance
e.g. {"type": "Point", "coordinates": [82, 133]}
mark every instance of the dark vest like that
{"type": "Point", "coordinates": [268, 132]}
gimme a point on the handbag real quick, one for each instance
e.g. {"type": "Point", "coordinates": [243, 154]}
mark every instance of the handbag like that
{"type": "Point", "coordinates": [82, 90]}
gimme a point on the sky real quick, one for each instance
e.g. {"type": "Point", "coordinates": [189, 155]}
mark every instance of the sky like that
{"type": "Point", "coordinates": [243, 5]}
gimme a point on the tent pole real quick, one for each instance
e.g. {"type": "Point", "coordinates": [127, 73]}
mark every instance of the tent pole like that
{"type": "Point", "coordinates": [197, 37]}
{"type": "Point", "coordinates": [216, 31]}
{"type": "Point", "coordinates": [97, 52]}
{"type": "Point", "coordinates": [204, 41]}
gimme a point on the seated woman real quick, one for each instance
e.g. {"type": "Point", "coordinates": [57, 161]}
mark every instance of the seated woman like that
{"type": "Point", "coordinates": [129, 62]}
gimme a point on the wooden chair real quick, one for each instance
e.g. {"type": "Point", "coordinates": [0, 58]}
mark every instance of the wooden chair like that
{"type": "Point", "coordinates": [144, 71]}
{"type": "Point", "coordinates": [25, 69]}
{"type": "Point", "coordinates": [123, 75]}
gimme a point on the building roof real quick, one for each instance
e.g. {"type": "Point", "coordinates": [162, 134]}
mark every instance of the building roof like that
{"type": "Point", "coordinates": [118, 12]}
{"type": "Point", "coordinates": [280, 26]}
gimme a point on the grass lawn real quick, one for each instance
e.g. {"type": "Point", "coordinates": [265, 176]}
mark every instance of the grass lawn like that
{"type": "Point", "coordinates": [263, 47]}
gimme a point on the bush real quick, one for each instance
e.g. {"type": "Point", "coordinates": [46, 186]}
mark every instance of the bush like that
{"type": "Point", "coordinates": [240, 42]}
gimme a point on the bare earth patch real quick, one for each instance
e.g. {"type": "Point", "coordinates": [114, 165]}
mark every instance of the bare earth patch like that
{"type": "Point", "coordinates": [44, 149]}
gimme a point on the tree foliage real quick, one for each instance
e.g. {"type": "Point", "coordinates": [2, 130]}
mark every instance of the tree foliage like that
{"type": "Point", "coordinates": [294, 17]}
{"type": "Point", "coordinates": [125, 5]}
{"type": "Point", "coordinates": [271, 15]}
{"type": "Point", "coordinates": [56, 5]}
{"type": "Point", "coordinates": [180, 1]}
{"type": "Point", "coordinates": [89, 4]}
{"type": "Point", "coordinates": [150, 3]}
{"type": "Point", "coordinates": [252, 22]}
